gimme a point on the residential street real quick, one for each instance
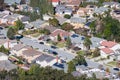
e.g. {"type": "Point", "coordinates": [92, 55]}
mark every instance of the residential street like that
{"type": "Point", "coordinates": [63, 54]}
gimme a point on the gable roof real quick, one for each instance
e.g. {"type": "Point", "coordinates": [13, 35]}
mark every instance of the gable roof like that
{"type": "Point", "coordinates": [108, 44]}
{"type": "Point", "coordinates": [50, 28]}
{"type": "Point", "coordinates": [77, 20]}
{"type": "Point", "coordinates": [45, 57]}
{"type": "Point", "coordinates": [74, 2]}
{"type": "Point", "coordinates": [10, 2]}
{"type": "Point", "coordinates": [107, 50]}
{"type": "Point", "coordinates": [18, 47]}
{"type": "Point", "coordinates": [37, 23]}
{"type": "Point", "coordinates": [7, 65]}
{"type": "Point", "coordinates": [31, 52]}
{"type": "Point", "coordinates": [59, 32]}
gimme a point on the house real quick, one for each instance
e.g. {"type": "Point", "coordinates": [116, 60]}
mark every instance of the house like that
{"type": "Point", "coordinates": [3, 56]}
{"type": "Point", "coordinates": [95, 42]}
{"type": "Point", "coordinates": [77, 40]}
{"type": "Point", "coordinates": [62, 10]}
{"type": "Point", "coordinates": [10, 43]}
{"type": "Point", "coordinates": [30, 55]}
{"type": "Point", "coordinates": [73, 3]}
{"type": "Point", "coordinates": [50, 28]}
{"type": "Point", "coordinates": [61, 20]}
{"type": "Point", "coordinates": [82, 11]}
{"type": "Point", "coordinates": [116, 13]}
{"type": "Point", "coordinates": [45, 60]}
{"type": "Point", "coordinates": [111, 4]}
{"type": "Point", "coordinates": [55, 2]}
{"type": "Point", "coordinates": [63, 34]}
{"type": "Point", "coordinates": [2, 20]}
{"type": "Point", "coordinates": [93, 1]}
{"type": "Point", "coordinates": [17, 49]}
{"type": "Point", "coordinates": [11, 2]}
{"type": "Point", "coordinates": [77, 22]}
{"type": "Point", "coordinates": [37, 24]}
{"type": "Point", "coordinates": [100, 10]}
{"type": "Point", "coordinates": [10, 18]}
{"type": "Point", "coordinates": [92, 67]}
{"type": "Point", "coordinates": [7, 65]}
{"type": "Point", "coordinates": [108, 48]}
{"type": "Point", "coordinates": [24, 7]}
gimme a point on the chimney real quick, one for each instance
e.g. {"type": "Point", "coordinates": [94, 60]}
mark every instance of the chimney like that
{"type": "Point", "coordinates": [57, 59]}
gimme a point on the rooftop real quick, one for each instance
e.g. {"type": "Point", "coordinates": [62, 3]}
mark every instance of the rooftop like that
{"type": "Point", "coordinates": [45, 57]}
{"type": "Point", "coordinates": [108, 44]}
{"type": "Point", "coordinates": [107, 50]}
{"type": "Point", "coordinates": [77, 20]}
{"type": "Point", "coordinates": [31, 52]}
{"type": "Point", "coordinates": [7, 65]}
{"type": "Point", "coordinates": [18, 47]}
{"type": "Point", "coordinates": [59, 32]}
{"type": "Point", "coordinates": [37, 23]}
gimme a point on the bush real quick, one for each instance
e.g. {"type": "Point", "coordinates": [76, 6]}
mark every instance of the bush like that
{"type": "Point", "coordinates": [67, 16]}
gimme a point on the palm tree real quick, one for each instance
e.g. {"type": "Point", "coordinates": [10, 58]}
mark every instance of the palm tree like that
{"type": "Point", "coordinates": [87, 43]}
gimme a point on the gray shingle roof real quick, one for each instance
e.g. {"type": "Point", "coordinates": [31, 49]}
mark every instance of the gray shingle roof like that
{"type": "Point", "coordinates": [110, 3]}
{"type": "Point", "coordinates": [95, 41]}
{"type": "Point", "coordinates": [18, 47]}
{"type": "Point", "coordinates": [10, 2]}
{"type": "Point", "coordinates": [77, 20]}
{"type": "Point", "coordinates": [100, 10]}
{"type": "Point", "coordinates": [37, 23]}
{"type": "Point", "coordinates": [45, 57]}
{"type": "Point", "coordinates": [7, 65]}
{"type": "Point", "coordinates": [77, 40]}
{"type": "Point", "coordinates": [2, 54]}
{"type": "Point", "coordinates": [82, 67]}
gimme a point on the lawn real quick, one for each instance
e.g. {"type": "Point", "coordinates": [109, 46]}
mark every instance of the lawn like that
{"type": "Point", "coordinates": [61, 44]}
{"type": "Point", "coordinates": [112, 63]}
{"type": "Point", "coordinates": [35, 35]}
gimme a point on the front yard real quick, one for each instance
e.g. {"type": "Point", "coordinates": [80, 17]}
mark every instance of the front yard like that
{"type": "Point", "coordinates": [112, 63]}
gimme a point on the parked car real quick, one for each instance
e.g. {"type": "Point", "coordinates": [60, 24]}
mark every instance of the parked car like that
{"type": "Point", "coordinates": [54, 47]}
{"type": "Point", "coordinates": [117, 69]}
{"type": "Point", "coordinates": [54, 53]}
{"type": "Point", "coordinates": [1, 28]}
{"type": "Point", "coordinates": [41, 42]}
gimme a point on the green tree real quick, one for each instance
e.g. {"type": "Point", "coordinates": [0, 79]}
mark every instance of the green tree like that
{"type": "Point", "coordinates": [96, 52]}
{"type": "Point", "coordinates": [92, 26]}
{"type": "Point", "coordinates": [11, 33]}
{"type": "Point", "coordinates": [4, 50]}
{"type": "Point", "coordinates": [79, 60]}
{"type": "Point", "coordinates": [71, 67]}
{"type": "Point", "coordinates": [19, 25]}
{"type": "Point", "coordinates": [59, 37]}
{"type": "Point", "coordinates": [67, 26]}
{"type": "Point", "coordinates": [87, 43]}
{"type": "Point", "coordinates": [68, 42]}
{"type": "Point", "coordinates": [54, 22]}
{"type": "Point", "coordinates": [67, 16]}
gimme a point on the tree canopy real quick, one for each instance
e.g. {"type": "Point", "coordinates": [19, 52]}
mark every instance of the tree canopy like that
{"type": "Point", "coordinates": [11, 32]}
{"type": "Point", "coordinates": [54, 22]}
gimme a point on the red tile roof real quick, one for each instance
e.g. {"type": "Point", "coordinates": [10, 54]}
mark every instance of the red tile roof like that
{"type": "Point", "coordinates": [55, 0]}
{"type": "Point", "coordinates": [108, 44]}
{"type": "Point", "coordinates": [107, 50]}
{"type": "Point", "coordinates": [61, 32]}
